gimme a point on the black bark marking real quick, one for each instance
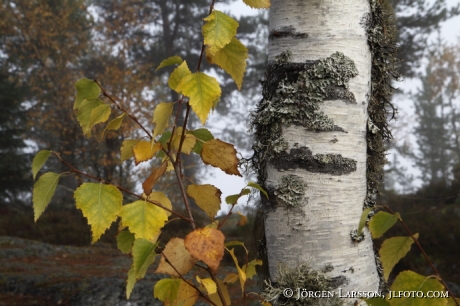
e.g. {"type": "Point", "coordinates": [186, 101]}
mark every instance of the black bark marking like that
{"type": "Point", "coordinates": [303, 158]}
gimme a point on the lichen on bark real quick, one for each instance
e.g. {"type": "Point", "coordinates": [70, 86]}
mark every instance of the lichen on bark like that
{"type": "Point", "coordinates": [292, 94]}
{"type": "Point", "coordinates": [290, 191]}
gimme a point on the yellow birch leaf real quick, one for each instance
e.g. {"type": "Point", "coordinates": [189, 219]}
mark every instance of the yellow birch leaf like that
{"type": "Point", "coordinates": [161, 116]}
{"type": "Point", "coordinates": [145, 150]}
{"type": "Point", "coordinates": [144, 219]}
{"type": "Point", "coordinates": [208, 284]}
{"type": "Point", "coordinates": [251, 267]}
{"type": "Point", "coordinates": [86, 89]}
{"type": "Point", "coordinates": [148, 184]}
{"type": "Point", "coordinates": [202, 90]}
{"type": "Point", "coordinates": [241, 273]}
{"type": "Point", "coordinates": [186, 296]}
{"type": "Point", "coordinates": [173, 60]}
{"type": "Point", "coordinates": [207, 245]}
{"type": "Point", "coordinates": [39, 160]}
{"type": "Point", "coordinates": [178, 256]}
{"type": "Point", "coordinates": [215, 296]}
{"type": "Point", "coordinates": [230, 278]}
{"type": "Point", "coordinates": [161, 198]}
{"type": "Point", "coordinates": [258, 3]}
{"type": "Point", "coordinates": [392, 250]}
{"type": "Point", "coordinates": [44, 190]}
{"type": "Point", "coordinates": [231, 58]}
{"type": "Point", "coordinates": [218, 30]}
{"type": "Point", "coordinates": [207, 197]}
{"type": "Point", "coordinates": [126, 150]}
{"type": "Point", "coordinates": [100, 204]}
{"type": "Point", "coordinates": [167, 289]}
{"type": "Point", "coordinates": [409, 281]}
{"type": "Point", "coordinates": [221, 155]}
{"type": "Point", "coordinates": [189, 141]}
{"type": "Point", "coordinates": [99, 114]}
{"type": "Point", "coordinates": [114, 124]}
{"type": "Point", "coordinates": [243, 219]}
{"type": "Point", "coordinates": [381, 222]}
{"type": "Point", "coordinates": [177, 75]}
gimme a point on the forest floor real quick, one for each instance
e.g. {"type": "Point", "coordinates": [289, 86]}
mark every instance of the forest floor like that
{"type": "Point", "coordinates": [37, 273]}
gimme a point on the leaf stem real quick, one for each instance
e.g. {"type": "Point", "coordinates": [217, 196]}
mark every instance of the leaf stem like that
{"type": "Point", "coordinates": [424, 254]}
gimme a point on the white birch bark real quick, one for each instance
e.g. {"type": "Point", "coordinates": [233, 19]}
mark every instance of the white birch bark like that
{"type": "Point", "coordinates": [332, 204]}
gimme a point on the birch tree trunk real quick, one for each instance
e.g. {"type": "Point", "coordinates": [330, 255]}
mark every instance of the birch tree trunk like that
{"type": "Point", "coordinates": [311, 139]}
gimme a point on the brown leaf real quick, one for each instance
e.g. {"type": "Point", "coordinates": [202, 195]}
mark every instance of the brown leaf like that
{"type": "Point", "coordinates": [153, 178]}
{"type": "Point", "coordinates": [207, 245]}
{"type": "Point", "coordinates": [179, 257]}
{"type": "Point", "coordinates": [221, 155]}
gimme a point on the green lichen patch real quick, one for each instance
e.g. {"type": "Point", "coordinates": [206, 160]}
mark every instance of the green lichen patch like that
{"type": "Point", "coordinates": [307, 279]}
{"type": "Point", "coordinates": [292, 94]}
{"type": "Point", "coordinates": [302, 157]}
{"type": "Point", "coordinates": [290, 191]}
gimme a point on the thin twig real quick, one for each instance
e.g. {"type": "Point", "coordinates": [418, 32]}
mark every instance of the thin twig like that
{"type": "Point", "coordinates": [424, 254]}
{"type": "Point", "coordinates": [185, 280]}
{"type": "Point", "coordinates": [122, 109]}
{"type": "Point", "coordinates": [219, 292]}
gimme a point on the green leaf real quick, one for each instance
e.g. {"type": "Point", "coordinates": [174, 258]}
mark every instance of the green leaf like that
{"type": "Point", "coordinates": [84, 116]}
{"type": "Point", "coordinates": [233, 199]}
{"type": "Point", "coordinates": [144, 219]}
{"type": "Point", "coordinates": [232, 58]}
{"type": "Point", "coordinates": [39, 160]}
{"type": "Point", "coordinates": [177, 75]}
{"type": "Point", "coordinates": [381, 222]}
{"type": "Point", "coordinates": [257, 186]}
{"type": "Point", "coordinates": [363, 220]}
{"type": "Point", "coordinates": [86, 89]}
{"type": "Point", "coordinates": [234, 243]}
{"type": "Point", "coordinates": [164, 138]}
{"type": "Point", "coordinates": [202, 90]}
{"type": "Point", "coordinates": [251, 268]}
{"type": "Point", "coordinates": [411, 282]}
{"type": "Point", "coordinates": [143, 256]}
{"type": "Point", "coordinates": [44, 190]}
{"type": "Point", "coordinates": [258, 3]}
{"type": "Point", "coordinates": [126, 149]}
{"type": "Point", "coordinates": [100, 204]}
{"type": "Point", "coordinates": [202, 135]}
{"type": "Point", "coordinates": [218, 30]}
{"type": "Point", "coordinates": [125, 241]}
{"type": "Point", "coordinates": [392, 250]}
{"type": "Point", "coordinates": [99, 114]}
{"type": "Point", "coordinates": [167, 289]}
{"type": "Point", "coordinates": [114, 124]}
{"type": "Point", "coordinates": [173, 60]}
{"type": "Point", "coordinates": [130, 282]}
{"type": "Point", "coordinates": [161, 116]}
